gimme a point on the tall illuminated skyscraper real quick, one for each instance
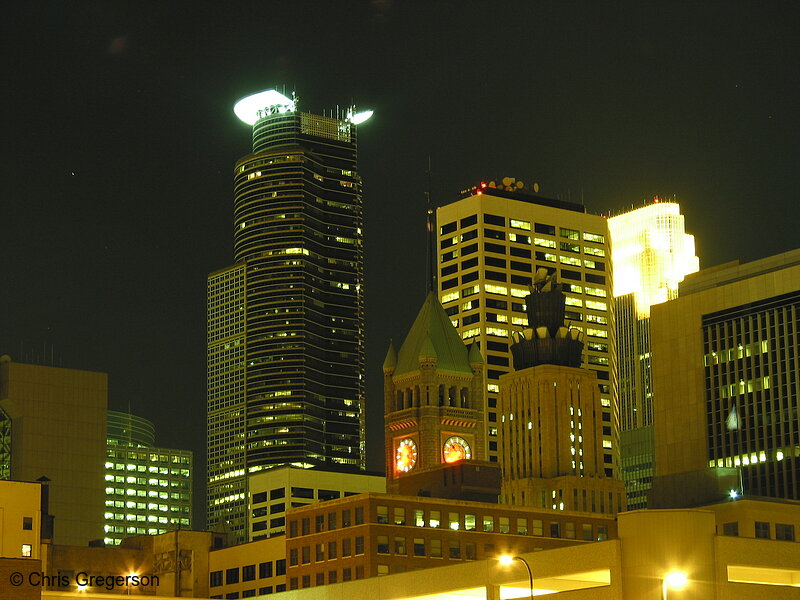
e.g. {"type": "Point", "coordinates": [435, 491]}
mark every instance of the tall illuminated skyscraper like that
{"type": "Point", "coordinates": [286, 321]}
{"type": "Point", "coordinates": [652, 253]}
{"type": "Point", "coordinates": [490, 243]}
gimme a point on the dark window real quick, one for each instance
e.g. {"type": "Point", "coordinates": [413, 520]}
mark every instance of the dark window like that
{"type": "Point", "coordinates": [607, 458]}
{"type": "Point", "coordinates": [232, 576]}
{"type": "Point", "coordinates": [606, 430]}
{"type": "Point", "coordinates": [260, 512]}
{"type": "Point", "coordinates": [449, 228]}
{"type": "Point", "coordinates": [492, 303]}
{"type": "Point", "coordinates": [346, 551]}
{"type": "Point", "coordinates": [762, 530]}
{"type": "Point", "coordinates": [493, 234]}
{"type": "Point", "coordinates": [521, 266]}
{"type": "Point", "coordinates": [450, 283]}
{"type": "Point", "coordinates": [320, 578]}
{"type": "Point", "coordinates": [216, 578]}
{"type": "Point", "coordinates": [347, 574]}
{"type": "Point", "coordinates": [232, 595]}
{"type": "Point", "coordinates": [520, 279]}
{"type": "Point", "coordinates": [259, 498]}
{"type": "Point", "coordinates": [331, 521]}
{"type": "Point", "coordinates": [784, 532]}
{"type": "Point", "coordinates": [281, 587]}
{"type": "Point", "coordinates": [592, 278]}
{"type": "Point", "coordinates": [607, 417]}
{"type": "Point", "coordinates": [263, 591]}
{"type": "Point", "coordinates": [494, 220]}
{"type": "Point", "coordinates": [305, 528]}
{"type": "Point", "coordinates": [419, 547]}
{"type": "Point", "coordinates": [546, 229]}
{"type": "Point", "coordinates": [301, 492]}
{"type": "Point", "coordinates": [466, 278]}
{"type": "Point", "coordinates": [331, 576]}
{"type": "Point", "coordinates": [360, 544]}
{"type": "Point", "coordinates": [332, 550]}
{"type": "Point", "coordinates": [277, 494]}
{"type": "Point", "coordinates": [264, 570]}
{"type": "Point", "coordinates": [469, 249]}
{"type": "Point", "coordinates": [470, 319]}
{"type": "Point", "coordinates": [305, 555]}
{"type": "Point", "coordinates": [346, 518]}
{"type": "Point", "coordinates": [277, 522]}
{"type": "Point", "coordinates": [293, 557]}
{"type": "Point", "coordinates": [292, 529]}
{"type": "Point", "coordinates": [248, 573]}
{"type": "Point", "coordinates": [449, 255]}
{"type": "Point", "coordinates": [455, 549]}
{"type": "Point", "coordinates": [569, 274]}
{"type": "Point", "coordinates": [470, 220]}
{"type": "Point", "coordinates": [497, 346]}
{"type": "Point", "coordinates": [497, 248]}
{"type": "Point", "coordinates": [494, 373]}
{"type": "Point", "coordinates": [449, 270]}
{"type": "Point", "coordinates": [469, 263]}
{"type": "Point", "coordinates": [497, 360]}
{"type": "Point", "coordinates": [319, 523]}
{"type": "Point", "coordinates": [493, 446]}
{"type": "Point", "coordinates": [730, 528]}
{"type": "Point", "coordinates": [521, 252]}
{"type": "Point", "coordinates": [279, 507]}
{"type": "Point", "coordinates": [491, 261]}
{"type": "Point", "coordinates": [359, 515]}
{"type": "Point", "coordinates": [259, 526]}
{"type": "Point", "coordinates": [495, 276]}
{"type": "Point", "coordinates": [306, 581]}
{"type": "Point", "coordinates": [555, 530]}
{"type": "Point", "coordinates": [517, 307]}
{"type": "Point", "coordinates": [280, 568]}
{"type": "Point", "coordinates": [27, 523]}
{"type": "Point", "coordinates": [469, 235]}
{"type": "Point", "coordinates": [383, 544]}
{"type": "Point", "coordinates": [492, 417]}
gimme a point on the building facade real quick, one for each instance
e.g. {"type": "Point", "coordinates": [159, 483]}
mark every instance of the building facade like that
{"type": "Point", "coordinates": [58, 434]}
{"type": "Point", "coordinates": [378, 534]}
{"type": "Point", "coordinates": [726, 377]}
{"type": "Point", "coordinates": [148, 489]}
{"type": "Point", "coordinates": [286, 321]}
{"type": "Point", "coordinates": [652, 253]}
{"type": "Point", "coordinates": [490, 242]}
{"type": "Point", "coordinates": [275, 491]}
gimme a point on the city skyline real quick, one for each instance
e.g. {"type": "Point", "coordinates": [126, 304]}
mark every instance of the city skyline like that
{"type": "Point", "coordinates": [122, 139]}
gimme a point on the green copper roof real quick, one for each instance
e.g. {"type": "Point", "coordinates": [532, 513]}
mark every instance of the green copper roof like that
{"type": "Point", "coordinates": [433, 335]}
{"type": "Point", "coordinates": [390, 362]}
{"type": "Point", "coordinates": [475, 356]}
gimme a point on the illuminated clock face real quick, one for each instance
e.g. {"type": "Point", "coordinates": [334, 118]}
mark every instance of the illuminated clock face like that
{"type": "Point", "coordinates": [406, 455]}
{"type": "Point", "coordinates": [456, 449]}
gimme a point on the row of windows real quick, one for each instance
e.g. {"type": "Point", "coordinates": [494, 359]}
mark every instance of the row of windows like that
{"type": "Point", "coordinates": [248, 573]}
{"type": "Point", "coordinates": [543, 228]}
{"type": "Point", "coordinates": [783, 531]}
{"type": "Point", "coordinates": [348, 518]}
{"type": "Point", "coordinates": [347, 575]}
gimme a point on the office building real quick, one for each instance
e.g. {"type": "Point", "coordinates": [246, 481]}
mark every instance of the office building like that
{"type": "Point", "coordinates": [725, 383]}
{"type": "Point", "coordinates": [490, 242]}
{"type": "Point", "coordinates": [434, 407]}
{"type": "Point", "coordinates": [58, 435]}
{"type": "Point", "coordinates": [148, 489]}
{"type": "Point", "coordinates": [286, 320]}
{"type": "Point", "coordinates": [554, 453]}
{"type": "Point", "coordinates": [652, 253]}
{"type": "Point", "coordinates": [274, 491]}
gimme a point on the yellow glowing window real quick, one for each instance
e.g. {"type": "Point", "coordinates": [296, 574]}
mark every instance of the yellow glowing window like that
{"type": "Point", "coordinates": [520, 224]}
{"type": "Point", "coordinates": [449, 297]}
{"type": "Point", "coordinates": [470, 333]}
{"type": "Point", "coordinates": [606, 443]}
{"type": "Point", "coordinates": [593, 237]}
{"type": "Point", "coordinates": [594, 251]}
{"type": "Point", "coordinates": [495, 289]}
{"type": "Point", "coordinates": [493, 387]}
{"type": "Point", "coordinates": [519, 321]}
{"type": "Point", "coordinates": [519, 293]}
{"type": "Point", "coordinates": [596, 319]}
{"type": "Point", "coordinates": [469, 305]}
{"type": "Point", "coordinates": [469, 291]}
{"type": "Point", "coordinates": [593, 291]}
{"type": "Point", "coordinates": [569, 301]}
{"type": "Point", "coordinates": [596, 332]}
{"type": "Point", "coordinates": [595, 305]}
{"type": "Point", "coordinates": [497, 331]}
{"type": "Point", "coordinates": [502, 318]}
{"type": "Point", "coordinates": [544, 243]}
{"type": "Point", "coordinates": [569, 260]}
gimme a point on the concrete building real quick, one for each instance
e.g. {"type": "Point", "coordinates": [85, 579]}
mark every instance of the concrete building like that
{"type": "Point", "coordinates": [286, 321]}
{"type": "Point", "coordinates": [277, 490]}
{"type": "Point", "coordinates": [725, 381]}
{"type": "Point", "coordinates": [253, 569]}
{"type": "Point", "coordinates": [58, 431]}
{"type": "Point", "coordinates": [20, 519]}
{"type": "Point", "coordinates": [148, 489]}
{"type": "Point", "coordinates": [490, 242]}
{"type": "Point", "coordinates": [554, 453]}
{"type": "Point", "coordinates": [652, 253]}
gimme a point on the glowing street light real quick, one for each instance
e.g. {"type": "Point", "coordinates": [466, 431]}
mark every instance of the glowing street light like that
{"type": "Point", "coordinates": [507, 559]}
{"type": "Point", "coordinates": [674, 580]}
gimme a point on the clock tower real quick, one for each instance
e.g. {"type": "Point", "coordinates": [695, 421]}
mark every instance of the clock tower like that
{"type": "Point", "coordinates": [434, 405]}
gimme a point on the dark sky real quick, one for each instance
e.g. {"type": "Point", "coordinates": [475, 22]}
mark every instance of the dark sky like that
{"type": "Point", "coordinates": [118, 144]}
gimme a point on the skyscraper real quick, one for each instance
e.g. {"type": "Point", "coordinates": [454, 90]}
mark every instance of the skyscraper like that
{"type": "Point", "coordinates": [286, 321]}
{"type": "Point", "coordinates": [652, 253]}
{"type": "Point", "coordinates": [728, 399]}
{"type": "Point", "coordinates": [490, 242]}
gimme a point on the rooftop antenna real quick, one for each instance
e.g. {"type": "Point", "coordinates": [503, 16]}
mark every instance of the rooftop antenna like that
{"type": "Point", "coordinates": [431, 233]}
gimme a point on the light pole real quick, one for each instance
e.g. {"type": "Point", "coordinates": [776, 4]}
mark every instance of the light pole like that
{"type": "Point", "coordinates": [674, 580]}
{"type": "Point", "coordinates": [507, 559]}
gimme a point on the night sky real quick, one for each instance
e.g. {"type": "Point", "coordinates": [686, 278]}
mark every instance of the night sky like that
{"type": "Point", "coordinates": [119, 140]}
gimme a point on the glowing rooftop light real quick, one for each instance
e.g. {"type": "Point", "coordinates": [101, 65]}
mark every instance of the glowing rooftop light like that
{"type": "Point", "coordinates": [360, 117]}
{"type": "Point", "coordinates": [250, 108]}
{"type": "Point", "coordinates": [506, 559]}
{"type": "Point", "coordinates": [733, 494]}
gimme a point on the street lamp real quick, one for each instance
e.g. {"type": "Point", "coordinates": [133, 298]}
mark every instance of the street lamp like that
{"type": "Point", "coordinates": [674, 580]}
{"type": "Point", "coordinates": [507, 559]}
